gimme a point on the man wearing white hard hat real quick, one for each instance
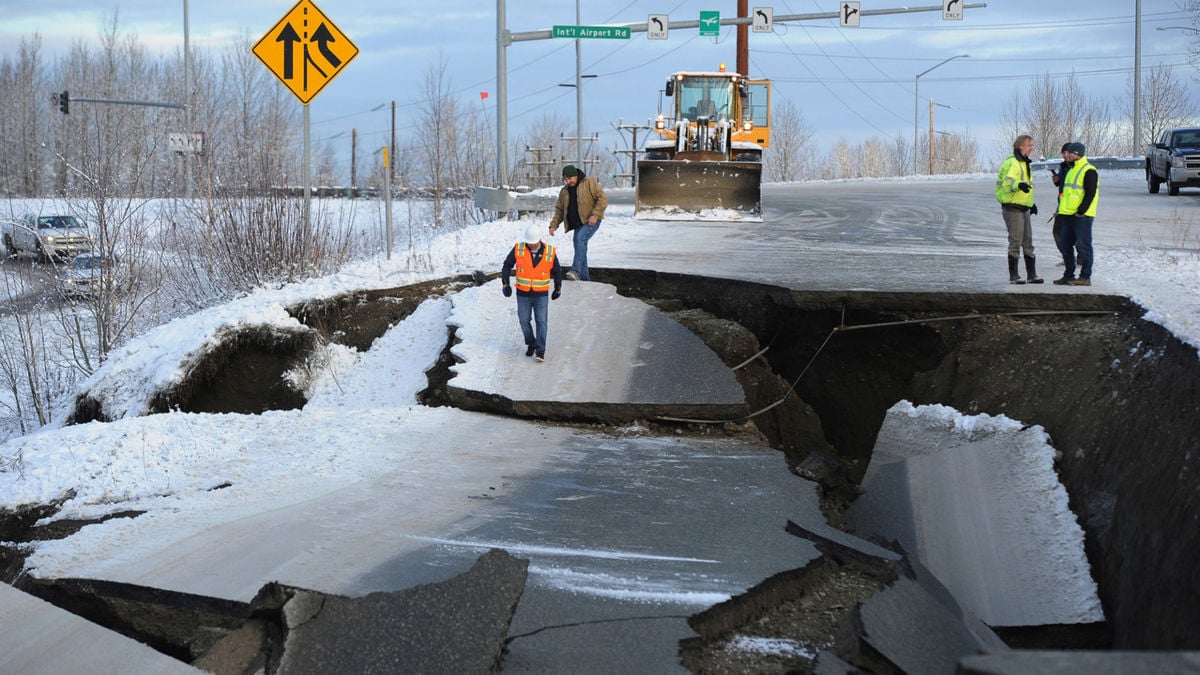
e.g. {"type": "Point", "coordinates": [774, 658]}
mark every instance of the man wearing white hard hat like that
{"type": "Point", "coordinates": [535, 265]}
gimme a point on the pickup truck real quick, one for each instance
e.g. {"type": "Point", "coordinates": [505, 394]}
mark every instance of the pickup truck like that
{"type": "Point", "coordinates": [1174, 160]}
{"type": "Point", "coordinates": [47, 236]}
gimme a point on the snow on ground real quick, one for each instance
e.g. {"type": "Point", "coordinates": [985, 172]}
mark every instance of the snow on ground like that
{"type": "Point", "coordinates": [172, 462]}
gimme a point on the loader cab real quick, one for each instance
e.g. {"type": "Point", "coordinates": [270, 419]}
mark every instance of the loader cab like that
{"type": "Point", "coordinates": [699, 96]}
{"type": "Point", "coordinates": [758, 111]}
{"type": "Point", "coordinates": [713, 97]}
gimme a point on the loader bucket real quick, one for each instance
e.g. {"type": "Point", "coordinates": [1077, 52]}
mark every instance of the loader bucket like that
{"type": "Point", "coordinates": [722, 190]}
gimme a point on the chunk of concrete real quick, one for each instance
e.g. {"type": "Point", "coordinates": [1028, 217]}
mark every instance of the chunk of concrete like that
{"type": "Point", "coordinates": [976, 500]}
{"type": "Point", "coordinates": [914, 631]}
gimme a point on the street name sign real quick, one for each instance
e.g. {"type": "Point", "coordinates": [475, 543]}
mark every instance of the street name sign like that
{"type": "Point", "coordinates": [609, 32]}
{"type": "Point", "coordinates": [305, 50]}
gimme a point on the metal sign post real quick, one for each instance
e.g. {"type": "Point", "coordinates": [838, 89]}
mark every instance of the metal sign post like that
{"type": "Point", "coordinates": [305, 50]}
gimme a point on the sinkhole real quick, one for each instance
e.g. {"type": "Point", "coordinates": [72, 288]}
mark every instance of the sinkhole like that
{"type": "Point", "coordinates": [1117, 394]}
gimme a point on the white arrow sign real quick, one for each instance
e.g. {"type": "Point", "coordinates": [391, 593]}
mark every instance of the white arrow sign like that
{"type": "Point", "coordinates": [850, 14]}
{"type": "Point", "coordinates": [656, 27]}
{"type": "Point", "coordinates": [764, 19]}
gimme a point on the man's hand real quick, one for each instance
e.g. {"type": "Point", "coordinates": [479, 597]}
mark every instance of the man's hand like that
{"type": "Point", "coordinates": [1023, 187]}
{"type": "Point", "coordinates": [507, 290]}
{"type": "Point", "coordinates": [555, 294]}
{"type": "Point", "coordinates": [1033, 210]}
{"type": "Point", "coordinates": [552, 229]}
{"type": "Point", "coordinates": [592, 221]}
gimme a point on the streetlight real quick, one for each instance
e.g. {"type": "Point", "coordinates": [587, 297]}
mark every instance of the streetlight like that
{"type": "Point", "coordinates": [917, 102]}
{"type": "Point", "coordinates": [1194, 30]}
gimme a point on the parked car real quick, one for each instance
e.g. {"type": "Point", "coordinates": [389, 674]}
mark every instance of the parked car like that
{"type": "Point", "coordinates": [89, 274]}
{"type": "Point", "coordinates": [1174, 160]}
{"type": "Point", "coordinates": [54, 236]}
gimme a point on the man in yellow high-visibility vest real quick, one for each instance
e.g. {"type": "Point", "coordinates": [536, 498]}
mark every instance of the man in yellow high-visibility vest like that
{"type": "Point", "coordinates": [1014, 191]}
{"type": "Point", "coordinates": [1080, 196]}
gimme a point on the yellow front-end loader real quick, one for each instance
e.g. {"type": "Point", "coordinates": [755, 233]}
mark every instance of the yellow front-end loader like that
{"type": "Point", "coordinates": [707, 160]}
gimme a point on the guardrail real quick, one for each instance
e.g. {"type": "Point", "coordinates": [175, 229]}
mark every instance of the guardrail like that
{"type": "Point", "coordinates": [1098, 162]}
{"type": "Point", "coordinates": [502, 200]}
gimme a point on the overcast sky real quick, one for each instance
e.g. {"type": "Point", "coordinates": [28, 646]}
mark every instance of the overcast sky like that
{"type": "Point", "coordinates": [853, 83]}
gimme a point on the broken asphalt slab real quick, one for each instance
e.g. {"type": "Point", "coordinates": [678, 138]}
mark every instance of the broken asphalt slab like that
{"type": "Point", "coordinates": [37, 637]}
{"type": "Point", "coordinates": [458, 625]}
{"type": "Point", "coordinates": [666, 369]}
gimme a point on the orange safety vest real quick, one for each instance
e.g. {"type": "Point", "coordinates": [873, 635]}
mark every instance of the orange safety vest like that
{"type": "Point", "coordinates": [528, 276]}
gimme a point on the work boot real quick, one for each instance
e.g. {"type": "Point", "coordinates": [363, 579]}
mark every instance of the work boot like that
{"type": "Point", "coordinates": [1031, 270]}
{"type": "Point", "coordinates": [1013, 277]}
{"type": "Point", "coordinates": [529, 350]}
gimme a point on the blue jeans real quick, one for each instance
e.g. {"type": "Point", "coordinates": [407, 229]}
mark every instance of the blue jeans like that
{"type": "Point", "coordinates": [1076, 232]}
{"type": "Point", "coordinates": [539, 305]}
{"type": "Point", "coordinates": [579, 263]}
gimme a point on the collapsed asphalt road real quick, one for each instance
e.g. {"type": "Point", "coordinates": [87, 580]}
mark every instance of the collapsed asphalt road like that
{"type": "Point", "coordinates": [956, 350]}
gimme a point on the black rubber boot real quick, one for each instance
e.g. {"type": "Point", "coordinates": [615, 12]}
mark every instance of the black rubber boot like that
{"type": "Point", "coordinates": [1031, 270]}
{"type": "Point", "coordinates": [1013, 277]}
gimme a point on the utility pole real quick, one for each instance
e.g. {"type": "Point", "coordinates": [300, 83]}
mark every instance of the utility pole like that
{"type": "Point", "coordinates": [632, 151]}
{"type": "Point", "coordinates": [581, 159]}
{"type": "Point", "coordinates": [541, 176]}
{"type": "Point", "coordinates": [930, 137]}
{"type": "Point", "coordinates": [743, 40]}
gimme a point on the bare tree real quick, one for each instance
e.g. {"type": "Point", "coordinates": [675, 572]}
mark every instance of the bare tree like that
{"type": "Point", "coordinates": [840, 162]}
{"type": "Point", "coordinates": [1165, 103]}
{"type": "Point", "coordinates": [436, 132]}
{"type": "Point", "coordinates": [955, 153]}
{"type": "Point", "coordinates": [791, 155]}
{"type": "Point", "coordinates": [1057, 112]}
{"type": "Point", "coordinates": [1193, 7]}
{"type": "Point", "coordinates": [901, 159]}
{"type": "Point", "coordinates": [23, 128]}
{"type": "Point", "coordinates": [535, 150]}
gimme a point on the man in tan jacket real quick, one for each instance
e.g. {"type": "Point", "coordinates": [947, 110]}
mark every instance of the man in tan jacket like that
{"type": "Point", "coordinates": [581, 204]}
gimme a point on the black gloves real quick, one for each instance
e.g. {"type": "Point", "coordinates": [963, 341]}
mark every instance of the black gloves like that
{"type": "Point", "coordinates": [555, 294]}
{"type": "Point", "coordinates": [507, 291]}
{"type": "Point", "coordinates": [1081, 212]}
{"type": "Point", "coordinates": [1033, 210]}
{"type": "Point", "coordinates": [1023, 187]}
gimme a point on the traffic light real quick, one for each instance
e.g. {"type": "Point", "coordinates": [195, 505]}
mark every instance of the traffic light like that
{"type": "Point", "coordinates": [64, 103]}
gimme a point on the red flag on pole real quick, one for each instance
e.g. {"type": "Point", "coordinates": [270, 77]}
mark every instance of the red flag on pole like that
{"type": "Point", "coordinates": [482, 95]}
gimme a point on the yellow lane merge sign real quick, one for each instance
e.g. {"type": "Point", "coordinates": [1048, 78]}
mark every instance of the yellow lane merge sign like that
{"type": "Point", "coordinates": [305, 50]}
